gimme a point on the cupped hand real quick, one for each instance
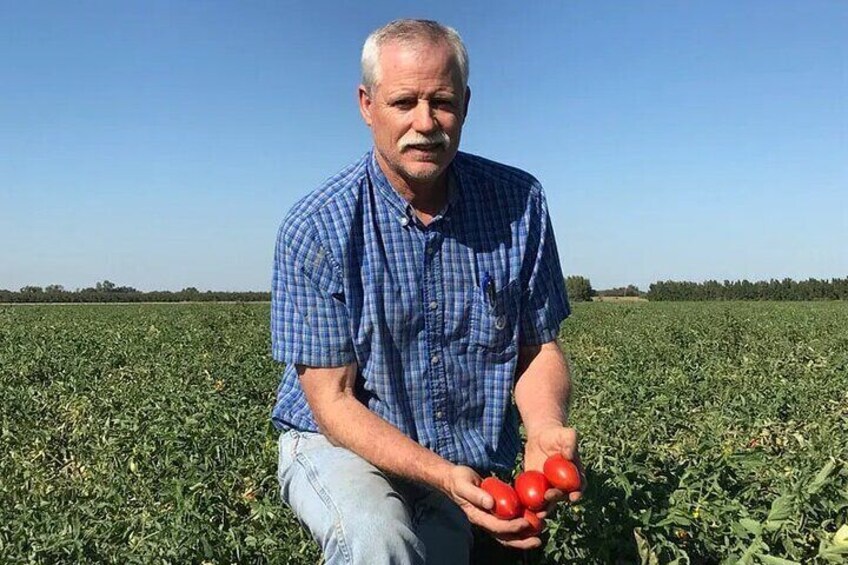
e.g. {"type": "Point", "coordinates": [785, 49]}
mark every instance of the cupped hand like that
{"type": "Point", "coordinates": [547, 441]}
{"type": "Point", "coordinates": [462, 485]}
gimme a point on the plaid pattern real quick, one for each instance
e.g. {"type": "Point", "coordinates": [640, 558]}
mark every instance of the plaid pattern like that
{"type": "Point", "coordinates": [358, 278]}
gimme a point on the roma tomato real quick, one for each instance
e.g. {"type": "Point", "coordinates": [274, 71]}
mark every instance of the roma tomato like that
{"type": "Point", "coordinates": [531, 487]}
{"type": "Point", "coordinates": [562, 473]}
{"type": "Point", "coordinates": [536, 523]}
{"type": "Point", "coordinates": [507, 506]}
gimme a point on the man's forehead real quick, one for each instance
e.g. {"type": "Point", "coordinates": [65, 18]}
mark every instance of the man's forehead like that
{"type": "Point", "coordinates": [416, 51]}
{"type": "Point", "coordinates": [398, 59]}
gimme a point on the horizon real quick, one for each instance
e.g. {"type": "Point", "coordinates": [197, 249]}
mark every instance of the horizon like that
{"type": "Point", "coordinates": [160, 145]}
{"type": "Point", "coordinates": [594, 288]}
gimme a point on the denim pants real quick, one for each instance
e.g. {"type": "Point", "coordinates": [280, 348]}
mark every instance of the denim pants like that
{"type": "Point", "coordinates": [359, 515]}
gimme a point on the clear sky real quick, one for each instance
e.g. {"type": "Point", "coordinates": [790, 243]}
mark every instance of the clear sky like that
{"type": "Point", "coordinates": [158, 144]}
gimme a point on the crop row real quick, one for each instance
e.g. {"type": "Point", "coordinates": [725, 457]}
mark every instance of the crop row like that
{"type": "Point", "coordinates": [140, 434]}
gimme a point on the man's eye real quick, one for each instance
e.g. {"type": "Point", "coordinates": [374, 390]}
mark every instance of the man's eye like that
{"type": "Point", "coordinates": [404, 103]}
{"type": "Point", "coordinates": [443, 103]}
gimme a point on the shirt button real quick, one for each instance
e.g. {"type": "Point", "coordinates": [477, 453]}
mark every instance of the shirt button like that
{"type": "Point", "coordinates": [434, 359]}
{"type": "Point", "coordinates": [439, 414]}
{"type": "Point", "coordinates": [404, 221]}
{"type": "Point", "coordinates": [431, 249]}
{"type": "Point", "coordinates": [434, 305]}
{"type": "Point", "coordinates": [500, 322]}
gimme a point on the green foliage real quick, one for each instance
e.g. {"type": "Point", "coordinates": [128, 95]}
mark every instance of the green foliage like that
{"type": "Point", "coordinates": [140, 434]}
{"type": "Point", "coordinates": [712, 432]}
{"type": "Point", "coordinates": [786, 289]}
{"type": "Point", "coordinates": [622, 291]}
{"type": "Point", "coordinates": [107, 291]}
{"type": "Point", "coordinates": [579, 288]}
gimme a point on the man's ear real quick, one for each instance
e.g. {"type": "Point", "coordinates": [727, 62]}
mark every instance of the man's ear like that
{"type": "Point", "coordinates": [467, 100]}
{"type": "Point", "coordinates": [365, 103]}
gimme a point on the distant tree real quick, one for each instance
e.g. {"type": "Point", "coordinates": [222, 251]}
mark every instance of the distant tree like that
{"type": "Point", "coordinates": [32, 290]}
{"type": "Point", "coordinates": [619, 291]}
{"type": "Point", "coordinates": [632, 290]}
{"type": "Point", "coordinates": [773, 289]}
{"type": "Point", "coordinates": [579, 288]}
{"type": "Point", "coordinates": [124, 289]}
{"type": "Point", "coordinates": [840, 288]}
{"type": "Point", "coordinates": [105, 286]}
{"type": "Point", "coordinates": [54, 288]}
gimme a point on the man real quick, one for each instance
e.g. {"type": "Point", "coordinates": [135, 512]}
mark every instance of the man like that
{"type": "Point", "coordinates": [414, 294]}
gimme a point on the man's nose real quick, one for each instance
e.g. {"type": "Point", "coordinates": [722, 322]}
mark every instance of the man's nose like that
{"type": "Point", "coordinates": [424, 121]}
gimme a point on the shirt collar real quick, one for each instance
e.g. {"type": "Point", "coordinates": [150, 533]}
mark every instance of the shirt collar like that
{"type": "Point", "coordinates": [406, 214]}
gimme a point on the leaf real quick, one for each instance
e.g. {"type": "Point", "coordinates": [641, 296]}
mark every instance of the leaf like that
{"type": "Point", "coordinates": [753, 549]}
{"type": "Point", "coordinates": [625, 484]}
{"type": "Point", "coordinates": [769, 560]}
{"type": "Point", "coordinates": [840, 538]}
{"type": "Point", "coordinates": [834, 553]}
{"type": "Point", "coordinates": [646, 554]}
{"type": "Point", "coordinates": [821, 478]}
{"type": "Point", "coordinates": [751, 526]}
{"type": "Point", "coordinates": [781, 509]}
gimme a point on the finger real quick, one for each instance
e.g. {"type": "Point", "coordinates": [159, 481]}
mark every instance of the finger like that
{"type": "Point", "coordinates": [554, 495]}
{"type": "Point", "coordinates": [475, 495]}
{"type": "Point", "coordinates": [582, 471]}
{"type": "Point", "coordinates": [496, 526]}
{"type": "Point", "coordinates": [569, 445]}
{"type": "Point", "coordinates": [549, 509]}
{"type": "Point", "coordinates": [520, 543]}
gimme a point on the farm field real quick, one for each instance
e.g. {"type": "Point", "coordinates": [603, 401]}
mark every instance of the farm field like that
{"type": "Point", "coordinates": [712, 432]}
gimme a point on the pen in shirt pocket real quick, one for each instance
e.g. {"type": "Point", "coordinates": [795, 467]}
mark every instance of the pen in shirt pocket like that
{"type": "Point", "coordinates": [487, 285]}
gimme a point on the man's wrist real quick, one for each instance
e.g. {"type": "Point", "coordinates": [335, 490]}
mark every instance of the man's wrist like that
{"type": "Point", "coordinates": [439, 477]}
{"type": "Point", "coordinates": [537, 426]}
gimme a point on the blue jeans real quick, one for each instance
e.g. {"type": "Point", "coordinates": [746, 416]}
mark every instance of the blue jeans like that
{"type": "Point", "coordinates": [359, 515]}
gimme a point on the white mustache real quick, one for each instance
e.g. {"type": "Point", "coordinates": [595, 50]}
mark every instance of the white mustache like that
{"type": "Point", "coordinates": [415, 138]}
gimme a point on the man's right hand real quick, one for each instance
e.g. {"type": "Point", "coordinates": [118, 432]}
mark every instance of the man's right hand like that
{"type": "Point", "coordinates": [345, 421]}
{"type": "Point", "coordinates": [462, 485]}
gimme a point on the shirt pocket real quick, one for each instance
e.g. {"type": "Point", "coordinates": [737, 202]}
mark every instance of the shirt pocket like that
{"type": "Point", "coordinates": [493, 323]}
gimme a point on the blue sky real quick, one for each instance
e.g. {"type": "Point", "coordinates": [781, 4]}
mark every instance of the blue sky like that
{"type": "Point", "coordinates": [159, 144]}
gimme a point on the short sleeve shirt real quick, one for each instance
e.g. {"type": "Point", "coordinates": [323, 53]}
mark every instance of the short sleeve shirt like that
{"type": "Point", "coordinates": [433, 316]}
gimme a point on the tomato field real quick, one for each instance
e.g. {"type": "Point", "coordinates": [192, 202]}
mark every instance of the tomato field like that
{"type": "Point", "coordinates": [711, 432]}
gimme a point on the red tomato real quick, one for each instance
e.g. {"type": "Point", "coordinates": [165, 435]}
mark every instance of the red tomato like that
{"type": "Point", "coordinates": [531, 487]}
{"type": "Point", "coordinates": [536, 524]}
{"type": "Point", "coordinates": [562, 473]}
{"type": "Point", "coordinates": [507, 505]}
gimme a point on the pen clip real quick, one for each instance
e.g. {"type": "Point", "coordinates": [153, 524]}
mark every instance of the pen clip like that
{"type": "Point", "coordinates": [488, 288]}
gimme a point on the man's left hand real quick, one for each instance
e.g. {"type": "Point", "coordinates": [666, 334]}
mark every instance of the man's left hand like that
{"type": "Point", "coordinates": [551, 440]}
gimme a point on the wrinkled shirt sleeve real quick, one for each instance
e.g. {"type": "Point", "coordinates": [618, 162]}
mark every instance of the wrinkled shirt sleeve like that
{"type": "Point", "coordinates": [309, 318]}
{"type": "Point", "coordinates": [545, 302]}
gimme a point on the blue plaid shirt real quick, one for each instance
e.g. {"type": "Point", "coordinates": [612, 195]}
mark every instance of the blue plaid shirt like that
{"type": "Point", "coordinates": [432, 315]}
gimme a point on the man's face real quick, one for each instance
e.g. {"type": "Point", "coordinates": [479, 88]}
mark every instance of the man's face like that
{"type": "Point", "coordinates": [415, 111]}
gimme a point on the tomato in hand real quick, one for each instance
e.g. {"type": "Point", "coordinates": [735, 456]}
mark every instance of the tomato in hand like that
{"type": "Point", "coordinates": [531, 487]}
{"type": "Point", "coordinates": [562, 473]}
{"type": "Point", "coordinates": [507, 506]}
{"type": "Point", "coordinates": [536, 523]}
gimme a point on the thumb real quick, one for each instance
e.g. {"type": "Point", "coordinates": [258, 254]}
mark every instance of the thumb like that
{"type": "Point", "coordinates": [566, 441]}
{"type": "Point", "coordinates": [475, 495]}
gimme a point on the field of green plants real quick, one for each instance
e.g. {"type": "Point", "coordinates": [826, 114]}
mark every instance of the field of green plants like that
{"type": "Point", "coordinates": [712, 432]}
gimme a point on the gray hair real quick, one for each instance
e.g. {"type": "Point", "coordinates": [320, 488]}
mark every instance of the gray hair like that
{"type": "Point", "coordinates": [410, 32]}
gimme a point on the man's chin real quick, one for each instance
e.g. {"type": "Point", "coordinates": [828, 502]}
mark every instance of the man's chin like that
{"type": "Point", "coordinates": [425, 169]}
{"type": "Point", "coordinates": [423, 172]}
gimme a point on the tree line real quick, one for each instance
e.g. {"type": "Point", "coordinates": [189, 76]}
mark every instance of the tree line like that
{"type": "Point", "coordinates": [107, 291]}
{"type": "Point", "coordinates": [579, 289]}
{"type": "Point", "coordinates": [785, 289]}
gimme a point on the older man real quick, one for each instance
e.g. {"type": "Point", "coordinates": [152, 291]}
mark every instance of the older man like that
{"type": "Point", "coordinates": [417, 296]}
